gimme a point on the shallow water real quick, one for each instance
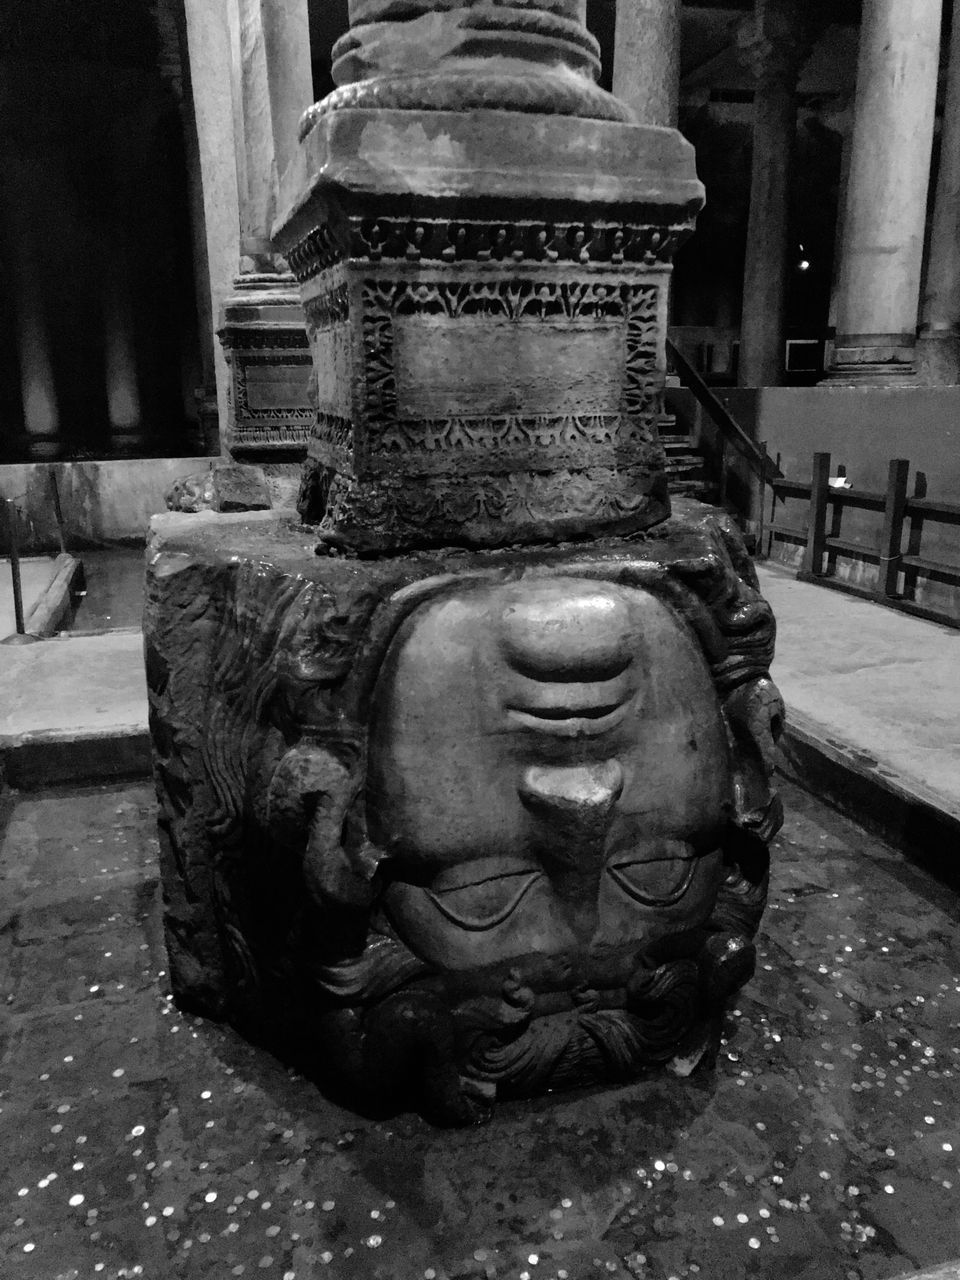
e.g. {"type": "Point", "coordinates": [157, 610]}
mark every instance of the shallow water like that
{"type": "Point", "coordinates": [114, 588]}
{"type": "Point", "coordinates": [138, 1141]}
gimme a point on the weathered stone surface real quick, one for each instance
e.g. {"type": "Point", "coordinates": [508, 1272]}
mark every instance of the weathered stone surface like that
{"type": "Point", "coordinates": [483, 243]}
{"type": "Point", "coordinates": [535, 56]}
{"type": "Point", "coordinates": [472, 799]}
{"type": "Point", "coordinates": [265, 344]}
{"type": "Point", "coordinates": [486, 369]}
{"type": "Point", "coordinates": [223, 488]}
{"type": "Point", "coordinates": [884, 227]}
{"type": "Point", "coordinates": [461, 824]}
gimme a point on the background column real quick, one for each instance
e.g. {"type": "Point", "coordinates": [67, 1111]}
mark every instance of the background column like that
{"type": "Point", "coordinates": [885, 215]}
{"type": "Point", "coordinates": [646, 61]}
{"type": "Point", "coordinates": [776, 46]}
{"type": "Point", "coordinates": [210, 43]}
{"type": "Point", "coordinates": [938, 350]}
{"type": "Point", "coordinates": [252, 81]}
{"type": "Point", "coordinates": [275, 88]}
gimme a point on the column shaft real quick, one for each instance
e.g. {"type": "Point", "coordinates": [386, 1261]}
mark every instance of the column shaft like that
{"type": "Point", "coordinates": [776, 44]}
{"type": "Point", "coordinates": [211, 62]}
{"type": "Point", "coordinates": [286, 35]}
{"type": "Point", "coordinates": [275, 88]}
{"type": "Point", "coordinates": [939, 346]}
{"type": "Point", "coordinates": [646, 63]}
{"type": "Point", "coordinates": [887, 194]}
{"type": "Point", "coordinates": [763, 327]}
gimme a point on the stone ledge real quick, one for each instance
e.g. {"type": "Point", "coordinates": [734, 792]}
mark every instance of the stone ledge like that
{"type": "Point", "coordinates": [73, 710]}
{"type": "Point", "coordinates": [58, 746]}
{"type": "Point", "coordinates": [53, 606]}
{"type": "Point", "coordinates": [41, 760]}
{"type": "Point", "coordinates": [450, 155]}
{"type": "Point", "coordinates": [917, 821]}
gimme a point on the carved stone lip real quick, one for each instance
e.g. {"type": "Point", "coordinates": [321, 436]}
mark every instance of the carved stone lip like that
{"type": "Point", "coordinates": [626, 871]}
{"type": "Point", "coordinates": [562, 722]}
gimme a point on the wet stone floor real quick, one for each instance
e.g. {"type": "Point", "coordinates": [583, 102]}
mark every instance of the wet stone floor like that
{"type": "Point", "coordinates": [139, 1142]}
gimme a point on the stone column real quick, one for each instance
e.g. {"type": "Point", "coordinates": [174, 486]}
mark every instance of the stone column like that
{"type": "Point", "coordinates": [261, 324]}
{"type": "Point", "coordinates": [427, 261]}
{"type": "Point", "coordinates": [887, 194]}
{"type": "Point", "coordinates": [275, 88]}
{"type": "Point", "coordinates": [646, 61]}
{"type": "Point", "coordinates": [776, 45]}
{"type": "Point", "coordinates": [843, 187]}
{"type": "Point", "coordinates": [210, 47]}
{"type": "Point", "coordinates": [938, 349]}
{"type": "Point", "coordinates": [646, 75]}
{"type": "Point", "coordinates": [476, 800]}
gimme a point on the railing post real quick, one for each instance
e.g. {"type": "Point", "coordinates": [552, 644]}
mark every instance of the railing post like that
{"type": "Point", "coordinates": [57, 509]}
{"type": "Point", "coordinates": [914, 536]}
{"type": "Point", "coordinates": [891, 543]}
{"type": "Point", "coordinates": [15, 564]}
{"type": "Point", "coordinates": [760, 497]}
{"type": "Point", "coordinates": [817, 527]}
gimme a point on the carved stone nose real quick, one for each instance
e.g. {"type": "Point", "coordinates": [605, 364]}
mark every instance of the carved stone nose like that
{"type": "Point", "coordinates": [574, 805]}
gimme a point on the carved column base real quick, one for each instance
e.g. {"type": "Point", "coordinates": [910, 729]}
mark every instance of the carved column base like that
{"type": "Point", "coordinates": [938, 358]}
{"type": "Point", "coordinates": [874, 360]}
{"type": "Point", "coordinates": [265, 343]}
{"type": "Point", "coordinates": [487, 323]}
{"type": "Point", "coordinates": [451, 826]}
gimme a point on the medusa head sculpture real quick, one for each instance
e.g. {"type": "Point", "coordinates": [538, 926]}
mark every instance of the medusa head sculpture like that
{"type": "Point", "coordinates": [476, 834]}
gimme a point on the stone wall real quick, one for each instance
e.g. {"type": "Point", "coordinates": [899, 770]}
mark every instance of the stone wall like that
{"type": "Point", "coordinates": [103, 502]}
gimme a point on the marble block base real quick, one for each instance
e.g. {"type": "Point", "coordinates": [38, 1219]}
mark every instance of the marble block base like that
{"type": "Point", "coordinates": [454, 825]}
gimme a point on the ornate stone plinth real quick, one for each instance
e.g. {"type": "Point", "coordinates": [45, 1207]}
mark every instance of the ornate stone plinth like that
{"type": "Point", "coordinates": [483, 244]}
{"type": "Point", "coordinates": [271, 414]}
{"type": "Point", "coordinates": [452, 826]}
{"type": "Point", "coordinates": [487, 325]}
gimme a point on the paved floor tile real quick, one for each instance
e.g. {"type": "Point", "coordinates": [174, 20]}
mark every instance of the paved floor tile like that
{"type": "Point", "coordinates": [141, 1142]}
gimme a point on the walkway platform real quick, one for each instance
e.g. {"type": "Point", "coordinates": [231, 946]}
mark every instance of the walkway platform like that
{"type": "Point", "coordinates": [873, 701]}
{"type": "Point", "coordinates": [45, 585]}
{"type": "Point", "coordinates": [73, 709]}
{"type": "Point", "coordinates": [873, 707]}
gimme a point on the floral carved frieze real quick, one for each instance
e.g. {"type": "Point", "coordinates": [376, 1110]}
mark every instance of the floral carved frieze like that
{"type": "Point", "coordinates": [618, 321]}
{"type": "Point", "coordinates": [461, 398]}
{"type": "Point", "coordinates": [446, 240]}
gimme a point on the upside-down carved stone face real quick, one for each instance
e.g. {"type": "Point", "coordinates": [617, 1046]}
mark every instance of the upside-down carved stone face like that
{"type": "Point", "coordinates": [549, 777]}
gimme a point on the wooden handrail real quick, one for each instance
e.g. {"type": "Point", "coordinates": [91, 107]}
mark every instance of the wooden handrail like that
{"type": "Point", "coordinates": [947, 512]}
{"type": "Point", "coordinates": [721, 416]}
{"type": "Point", "coordinates": [897, 508]}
